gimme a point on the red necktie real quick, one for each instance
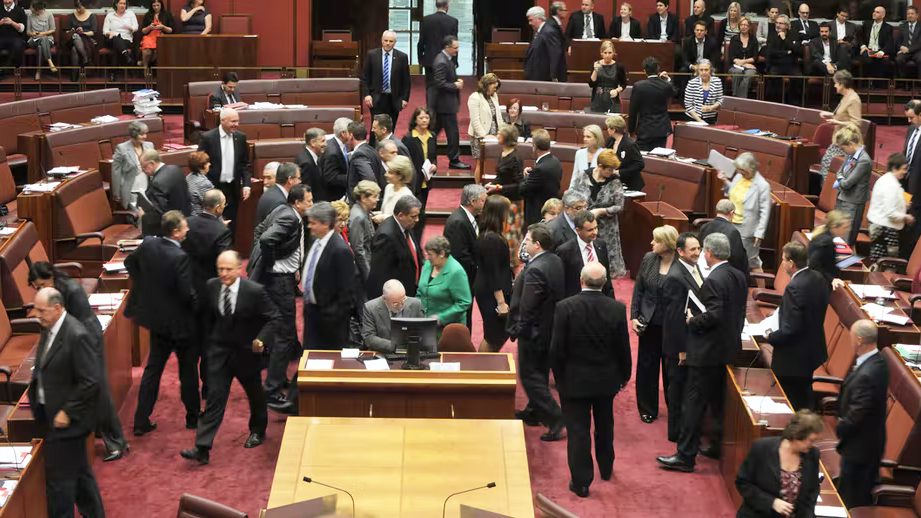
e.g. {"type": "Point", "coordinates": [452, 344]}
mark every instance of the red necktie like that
{"type": "Point", "coordinates": [412, 250]}
{"type": "Point", "coordinates": [591, 253]}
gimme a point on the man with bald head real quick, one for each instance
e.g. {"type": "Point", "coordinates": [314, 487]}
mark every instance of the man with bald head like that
{"type": "Point", "coordinates": [803, 29]}
{"type": "Point", "coordinates": [230, 167]}
{"type": "Point", "coordinates": [166, 190]}
{"type": "Point", "coordinates": [385, 83]}
{"type": "Point", "coordinates": [63, 397]}
{"type": "Point", "coordinates": [700, 15]}
{"type": "Point", "coordinates": [243, 317]}
{"type": "Point", "coordinates": [877, 45]}
{"type": "Point", "coordinates": [376, 315]}
{"type": "Point", "coordinates": [590, 357]}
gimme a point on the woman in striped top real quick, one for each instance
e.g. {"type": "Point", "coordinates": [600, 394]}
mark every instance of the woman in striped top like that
{"type": "Point", "coordinates": [704, 94]}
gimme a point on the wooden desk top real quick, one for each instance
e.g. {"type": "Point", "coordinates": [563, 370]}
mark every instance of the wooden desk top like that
{"type": "Point", "coordinates": [405, 467]}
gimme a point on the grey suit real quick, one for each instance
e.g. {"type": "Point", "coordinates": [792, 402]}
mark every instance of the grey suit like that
{"type": "Point", "coordinates": [361, 233]}
{"type": "Point", "coordinates": [756, 215]}
{"type": "Point", "coordinates": [854, 190]}
{"type": "Point", "coordinates": [375, 322]}
{"type": "Point", "coordinates": [125, 168]}
{"type": "Point", "coordinates": [402, 150]}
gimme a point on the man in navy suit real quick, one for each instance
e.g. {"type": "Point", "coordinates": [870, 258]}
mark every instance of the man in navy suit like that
{"type": "Point", "coordinates": [587, 24]}
{"type": "Point", "coordinates": [445, 94]}
{"type": "Point", "coordinates": [385, 83]}
{"type": "Point", "coordinates": [663, 25]}
{"type": "Point", "coordinates": [649, 119]}
{"type": "Point", "coordinates": [432, 32]}
{"type": "Point", "coordinates": [545, 51]}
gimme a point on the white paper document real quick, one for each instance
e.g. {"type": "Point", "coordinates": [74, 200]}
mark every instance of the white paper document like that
{"type": "Point", "coordinates": [427, 169]}
{"type": "Point", "coordinates": [379, 364]}
{"type": "Point", "coordinates": [104, 320]}
{"type": "Point", "coordinates": [721, 163]}
{"type": "Point", "coordinates": [697, 123]}
{"type": "Point", "coordinates": [662, 151]}
{"type": "Point", "coordinates": [318, 365]}
{"type": "Point", "coordinates": [6, 231]}
{"type": "Point", "coordinates": [827, 511]}
{"type": "Point", "coordinates": [890, 318]}
{"type": "Point", "coordinates": [874, 310]}
{"type": "Point", "coordinates": [766, 405]}
{"type": "Point", "coordinates": [349, 352]}
{"type": "Point", "coordinates": [763, 328]}
{"type": "Point", "coordinates": [446, 366]}
{"type": "Point", "coordinates": [114, 267]}
{"type": "Point", "coordinates": [871, 291]}
{"type": "Point", "coordinates": [693, 298]}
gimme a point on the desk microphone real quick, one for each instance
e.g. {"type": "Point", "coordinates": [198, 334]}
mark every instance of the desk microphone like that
{"type": "Point", "coordinates": [444, 508]}
{"type": "Point", "coordinates": [312, 481]}
{"type": "Point", "coordinates": [659, 201]}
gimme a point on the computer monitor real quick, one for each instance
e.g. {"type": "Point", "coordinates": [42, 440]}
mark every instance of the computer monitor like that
{"type": "Point", "coordinates": [414, 335]}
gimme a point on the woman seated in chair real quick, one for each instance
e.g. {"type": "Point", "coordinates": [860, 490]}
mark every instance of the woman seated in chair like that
{"type": "Point", "coordinates": [80, 38]}
{"type": "Point", "coordinates": [119, 28]}
{"type": "Point", "coordinates": [40, 30]}
{"type": "Point", "coordinates": [156, 22]}
{"type": "Point", "coordinates": [196, 18]}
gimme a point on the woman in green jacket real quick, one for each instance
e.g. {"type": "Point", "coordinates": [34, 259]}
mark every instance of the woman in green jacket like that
{"type": "Point", "coordinates": [443, 287]}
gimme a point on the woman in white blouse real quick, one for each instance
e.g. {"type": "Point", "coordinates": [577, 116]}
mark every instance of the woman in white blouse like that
{"type": "Point", "coordinates": [399, 175]}
{"type": "Point", "coordinates": [587, 157]}
{"type": "Point", "coordinates": [703, 95]}
{"type": "Point", "coordinates": [483, 106]}
{"type": "Point", "coordinates": [887, 214]}
{"type": "Point", "coordinates": [119, 28]}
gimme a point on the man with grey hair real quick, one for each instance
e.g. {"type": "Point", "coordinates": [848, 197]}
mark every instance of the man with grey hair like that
{"type": "Point", "coordinates": [376, 315]}
{"type": "Point", "coordinates": [722, 224]}
{"type": "Point", "coordinates": [395, 251]}
{"type": "Point", "coordinates": [230, 167]}
{"type": "Point", "coordinates": [783, 51]}
{"type": "Point", "coordinates": [714, 339]}
{"type": "Point", "coordinates": [286, 176]}
{"type": "Point", "coordinates": [462, 231]}
{"type": "Point", "coordinates": [563, 227]}
{"type": "Point", "coordinates": [166, 190]}
{"type": "Point", "coordinates": [335, 161]}
{"type": "Point", "coordinates": [308, 161]}
{"type": "Point", "coordinates": [432, 32]}
{"type": "Point", "coordinates": [385, 82]}
{"type": "Point", "coordinates": [545, 50]}
{"type": "Point", "coordinates": [542, 181]}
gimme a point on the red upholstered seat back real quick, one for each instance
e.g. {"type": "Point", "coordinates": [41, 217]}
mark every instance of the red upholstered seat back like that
{"type": "Point", "coordinates": [7, 184]}
{"type": "Point", "coordinates": [684, 186]}
{"type": "Point", "coordinates": [80, 107]}
{"type": "Point", "coordinates": [564, 127]}
{"type": "Point", "coordinates": [23, 248]}
{"type": "Point", "coordinates": [81, 206]}
{"type": "Point", "coordinates": [236, 24]}
{"type": "Point", "coordinates": [558, 96]}
{"type": "Point", "coordinates": [15, 118]}
{"type": "Point", "coordinates": [191, 506]}
{"type": "Point", "coordinates": [87, 145]}
{"type": "Point", "coordinates": [279, 151]}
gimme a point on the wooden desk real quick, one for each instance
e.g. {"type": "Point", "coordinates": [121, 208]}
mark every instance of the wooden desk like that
{"type": "Point", "coordinates": [342, 55]}
{"type": "Point", "coordinates": [37, 207]}
{"type": "Point", "coordinates": [638, 221]}
{"type": "Point", "coordinates": [691, 188]}
{"type": "Point", "coordinates": [231, 51]}
{"type": "Point", "coordinates": [405, 467]}
{"type": "Point", "coordinates": [629, 54]}
{"type": "Point", "coordinates": [483, 389]}
{"type": "Point", "coordinates": [791, 212]}
{"type": "Point", "coordinates": [506, 59]}
{"type": "Point", "coordinates": [29, 499]}
{"type": "Point", "coordinates": [115, 282]}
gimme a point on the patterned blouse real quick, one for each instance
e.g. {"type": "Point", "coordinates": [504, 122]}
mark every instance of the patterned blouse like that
{"type": "Point", "coordinates": [790, 483]}
{"type": "Point", "coordinates": [198, 184]}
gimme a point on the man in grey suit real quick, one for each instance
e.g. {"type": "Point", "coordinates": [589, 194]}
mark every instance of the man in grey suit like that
{"type": "Point", "coordinates": [376, 315]}
{"type": "Point", "coordinates": [563, 227]}
{"type": "Point", "coordinates": [853, 182]}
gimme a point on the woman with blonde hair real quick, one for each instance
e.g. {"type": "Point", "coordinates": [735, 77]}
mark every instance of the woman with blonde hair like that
{"type": "Point", "coordinates": [587, 157]}
{"type": "Point", "coordinates": [731, 25]}
{"type": "Point", "coordinates": [625, 27]}
{"type": "Point", "coordinates": [399, 175]}
{"type": "Point", "coordinates": [853, 180]}
{"type": "Point", "coordinates": [631, 160]}
{"type": "Point", "coordinates": [605, 196]}
{"type": "Point", "coordinates": [849, 111]}
{"type": "Point", "coordinates": [483, 106]}
{"type": "Point", "coordinates": [822, 255]}
{"type": "Point", "coordinates": [607, 81]}
{"type": "Point", "coordinates": [360, 228]}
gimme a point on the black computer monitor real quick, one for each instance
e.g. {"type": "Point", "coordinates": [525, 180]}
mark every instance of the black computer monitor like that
{"type": "Point", "coordinates": [414, 335]}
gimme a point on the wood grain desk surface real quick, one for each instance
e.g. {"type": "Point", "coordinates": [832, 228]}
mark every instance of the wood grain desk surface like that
{"type": "Point", "coordinates": [405, 467]}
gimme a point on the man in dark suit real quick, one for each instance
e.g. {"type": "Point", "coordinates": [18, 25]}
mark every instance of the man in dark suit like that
{"type": "Point", "coordinates": [828, 56]}
{"type": "Point", "coordinates": [382, 130]}
{"type": "Point", "coordinates": [555, 21]}
{"type": "Point", "coordinates": [395, 253]}
{"type": "Point", "coordinates": [243, 316]}
{"type": "Point", "coordinates": [584, 249]}
{"type": "Point", "coordinates": [462, 231]}
{"type": "Point", "coordinates": [334, 161]}
{"type": "Point", "coordinates": [649, 120]}
{"type": "Point", "coordinates": [229, 154]}
{"type": "Point", "coordinates": [364, 162]}
{"type": "Point", "coordinates": [909, 44]}
{"type": "Point", "coordinates": [445, 94]}
{"type": "Point", "coordinates": [163, 300]}
{"type": "Point", "coordinates": [799, 343]}
{"type": "Point", "coordinates": [167, 190]}
{"type": "Point", "coordinates": [843, 31]}
{"type": "Point", "coordinates": [308, 161]}
{"type": "Point", "coordinates": [877, 45]}
{"type": "Point", "coordinates": [590, 357]}
{"type": "Point", "coordinates": [662, 19]}
{"type": "Point", "coordinates": [912, 181]}
{"type": "Point", "coordinates": [432, 32]}
{"type": "Point", "coordinates": [783, 52]}
{"type": "Point", "coordinates": [683, 277]}
{"type": "Point", "coordinates": [385, 83]}
{"type": "Point", "coordinates": [803, 29]}
{"type": "Point", "coordinates": [721, 223]}
{"type": "Point", "coordinates": [278, 255]}
{"type": "Point", "coordinates": [63, 395]}
{"type": "Point", "coordinates": [861, 427]}
{"type": "Point", "coordinates": [226, 93]}
{"type": "Point", "coordinates": [563, 227]}
{"type": "Point", "coordinates": [286, 176]}
{"type": "Point", "coordinates": [586, 24]}
{"type": "Point", "coordinates": [541, 62]}
{"type": "Point", "coordinates": [700, 15]}
{"type": "Point", "coordinates": [12, 30]}
{"type": "Point", "coordinates": [535, 294]}
{"type": "Point", "coordinates": [714, 339]}
{"type": "Point", "coordinates": [542, 181]}
{"type": "Point", "coordinates": [699, 46]}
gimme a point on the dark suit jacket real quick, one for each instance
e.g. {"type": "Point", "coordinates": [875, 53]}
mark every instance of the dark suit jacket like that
{"type": "Point", "coordinates": [571, 255]}
{"type": "Point", "coordinates": [783, 53]}
{"type": "Point", "coordinates": [646, 302]}
{"type": "Point", "coordinates": [253, 316]}
{"type": "Point", "coordinates": [678, 282]}
{"type": "Point", "coordinates": [208, 236]}
{"type": "Point", "coordinates": [903, 38]}
{"type": "Point", "coordinates": [541, 62]}
{"type": "Point", "coordinates": [822, 257]}
{"type": "Point", "coordinates": [162, 297]}
{"type": "Point", "coordinates": [414, 147]}
{"type": "Point", "coordinates": [850, 32]}
{"type": "Point", "coordinates": [635, 31]}
{"type": "Point", "coordinates": [817, 51]}
{"type": "Point", "coordinates": [715, 337]}
{"type": "Point", "coordinates": [861, 428]}
{"type": "Point", "coordinates": [392, 259]}
{"type": "Point", "coordinates": [737, 256]}
{"type": "Point", "coordinates": [334, 171]}
{"type": "Point", "coordinates": [576, 26]}
{"type": "Point", "coordinates": [796, 30]}
{"type": "Point", "coordinates": [276, 237]}
{"type": "Point", "coordinates": [77, 304]}
{"type": "Point", "coordinates": [799, 344]}
{"type": "Point", "coordinates": [462, 236]}
{"type": "Point", "coordinates": [691, 21]}
{"type": "Point", "coordinates": [654, 27]}
{"type": "Point", "coordinates": [271, 198]}
{"type": "Point", "coordinates": [365, 164]}
{"type": "Point", "coordinates": [446, 96]}
{"type": "Point", "coordinates": [689, 51]}
{"type": "Point", "coordinates": [912, 184]}
{"type": "Point", "coordinates": [649, 116]}
{"type": "Point", "coordinates": [70, 378]}
{"type": "Point", "coordinates": [432, 32]}
{"type": "Point", "coordinates": [219, 98]}
{"type": "Point", "coordinates": [311, 175]}
{"type": "Point", "coordinates": [758, 481]}
{"type": "Point", "coordinates": [372, 78]}
{"type": "Point", "coordinates": [561, 72]}
{"type": "Point", "coordinates": [210, 143]}
{"type": "Point", "coordinates": [561, 230]}
{"type": "Point", "coordinates": [334, 280]}
{"type": "Point", "coordinates": [886, 39]}
{"type": "Point", "coordinates": [590, 348]}
{"type": "Point", "coordinates": [541, 184]}
{"type": "Point", "coordinates": [166, 191]}
{"type": "Point", "coordinates": [535, 294]}
{"type": "Point", "coordinates": [18, 15]}
{"type": "Point", "coordinates": [631, 163]}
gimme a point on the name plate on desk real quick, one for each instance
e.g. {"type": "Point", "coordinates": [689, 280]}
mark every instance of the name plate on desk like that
{"type": "Point", "coordinates": [445, 366]}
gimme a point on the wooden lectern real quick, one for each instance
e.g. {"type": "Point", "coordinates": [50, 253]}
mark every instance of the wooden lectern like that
{"type": "Point", "coordinates": [233, 52]}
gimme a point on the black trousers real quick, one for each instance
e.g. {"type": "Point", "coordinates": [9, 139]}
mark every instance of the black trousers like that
{"type": "Point", "coordinates": [901, 62]}
{"type": "Point", "coordinates": [856, 481]}
{"type": "Point", "coordinates": [226, 362]}
{"type": "Point", "coordinates": [160, 349]}
{"type": "Point", "coordinates": [704, 389]}
{"type": "Point", "coordinates": [385, 105]}
{"type": "Point", "coordinates": [69, 480]}
{"type": "Point", "coordinates": [648, 358]}
{"type": "Point", "coordinates": [776, 91]}
{"type": "Point", "coordinates": [677, 376]}
{"type": "Point", "coordinates": [650, 143]}
{"type": "Point", "coordinates": [448, 123]}
{"type": "Point", "coordinates": [108, 425]}
{"type": "Point", "coordinates": [282, 290]}
{"type": "Point", "coordinates": [13, 48]}
{"type": "Point", "coordinates": [419, 227]}
{"type": "Point", "coordinates": [232, 194]}
{"type": "Point", "coordinates": [122, 48]}
{"type": "Point", "coordinates": [534, 370]}
{"type": "Point", "coordinates": [798, 390]}
{"type": "Point", "coordinates": [578, 414]}
{"type": "Point", "coordinates": [322, 333]}
{"type": "Point", "coordinates": [876, 67]}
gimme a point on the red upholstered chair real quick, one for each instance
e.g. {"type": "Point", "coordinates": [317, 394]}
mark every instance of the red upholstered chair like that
{"type": "Point", "coordinates": [455, 338]}
{"type": "Point", "coordinates": [191, 506]}
{"type": "Point", "coordinates": [891, 502]}
{"type": "Point", "coordinates": [549, 509]}
{"type": "Point", "coordinates": [236, 24]}
{"type": "Point", "coordinates": [823, 136]}
{"type": "Point", "coordinates": [8, 191]}
{"type": "Point", "coordinates": [18, 339]}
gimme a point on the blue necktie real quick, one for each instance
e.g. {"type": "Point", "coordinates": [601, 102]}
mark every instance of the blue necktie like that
{"type": "Point", "coordinates": [386, 72]}
{"type": "Point", "coordinates": [345, 153]}
{"type": "Point", "coordinates": [308, 281]}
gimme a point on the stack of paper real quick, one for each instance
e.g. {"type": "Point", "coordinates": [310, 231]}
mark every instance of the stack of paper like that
{"type": "Point", "coordinates": [874, 310]}
{"type": "Point", "coordinates": [104, 119]}
{"type": "Point", "coordinates": [6, 490]}
{"type": "Point", "coordinates": [899, 320]}
{"type": "Point", "coordinates": [58, 126]}
{"type": "Point", "coordinates": [911, 353]}
{"type": "Point", "coordinates": [871, 291]}
{"type": "Point", "coordinates": [266, 106]}
{"type": "Point", "coordinates": [296, 106]}
{"type": "Point", "coordinates": [146, 103]}
{"type": "Point", "coordinates": [766, 405]}
{"type": "Point", "coordinates": [104, 320]}
{"type": "Point", "coordinates": [827, 511]}
{"type": "Point", "coordinates": [763, 328]}
{"type": "Point", "coordinates": [15, 456]}
{"type": "Point", "coordinates": [114, 267]}
{"type": "Point", "coordinates": [40, 187]}
{"type": "Point", "coordinates": [662, 151]}
{"type": "Point", "coordinates": [106, 301]}
{"type": "Point", "coordinates": [697, 123]}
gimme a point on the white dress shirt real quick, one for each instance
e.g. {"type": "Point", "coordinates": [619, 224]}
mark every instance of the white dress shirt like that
{"type": "Point", "coordinates": [291, 263]}
{"type": "Point", "coordinates": [234, 289]}
{"type": "Point", "coordinates": [583, 250]}
{"type": "Point", "coordinates": [476, 228]}
{"type": "Point", "coordinates": [692, 269]}
{"type": "Point", "coordinates": [864, 357]}
{"type": "Point", "coordinates": [227, 156]}
{"type": "Point", "coordinates": [663, 23]}
{"type": "Point", "coordinates": [316, 249]}
{"type": "Point", "coordinates": [589, 23]}
{"type": "Point", "coordinates": [841, 30]}
{"type": "Point", "coordinates": [49, 341]}
{"type": "Point", "coordinates": [625, 30]}
{"type": "Point", "coordinates": [826, 52]}
{"type": "Point", "coordinates": [887, 203]}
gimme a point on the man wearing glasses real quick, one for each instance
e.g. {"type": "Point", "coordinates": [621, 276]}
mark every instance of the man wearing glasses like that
{"type": "Point", "coordinates": [375, 321]}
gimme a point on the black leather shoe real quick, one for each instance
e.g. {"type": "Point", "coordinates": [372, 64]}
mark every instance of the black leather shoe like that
{"type": "Point", "coordinates": [200, 455]}
{"type": "Point", "coordinates": [647, 418]}
{"type": "Point", "coordinates": [191, 422]}
{"type": "Point", "coordinates": [141, 430]}
{"type": "Point", "coordinates": [581, 492]}
{"type": "Point", "coordinates": [116, 454]}
{"type": "Point", "coordinates": [675, 463]}
{"type": "Point", "coordinates": [606, 475]}
{"type": "Point", "coordinates": [254, 440]}
{"type": "Point", "coordinates": [283, 407]}
{"type": "Point", "coordinates": [712, 451]}
{"type": "Point", "coordinates": [275, 399]}
{"type": "Point", "coordinates": [554, 434]}
{"type": "Point", "coordinates": [459, 165]}
{"type": "Point", "coordinates": [528, 417]}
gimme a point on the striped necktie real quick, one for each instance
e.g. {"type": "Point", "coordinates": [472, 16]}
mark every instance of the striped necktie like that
{"type": "Point", "coordinates": [386, 73]}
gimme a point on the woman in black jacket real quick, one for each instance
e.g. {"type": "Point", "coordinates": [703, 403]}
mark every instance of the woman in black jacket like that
{"type": "Point", "coordinates": [492, 287]}
{"type": "Point", "coordinates": [631, 160]}
{"type": "Point", "coordinates": [420, 142]}
{"type": "Point", "coordinates": [780, 475]}
{"type": "Point", "coordinates": [743, 55]}
{"type": "Point", "coordinates": [822, 255]}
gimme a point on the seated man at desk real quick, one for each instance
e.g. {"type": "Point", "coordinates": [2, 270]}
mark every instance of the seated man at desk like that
{"type": "Point", "coordinates": [226, 93]}
{"type": "Point", "coordinates": [375, 321]}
